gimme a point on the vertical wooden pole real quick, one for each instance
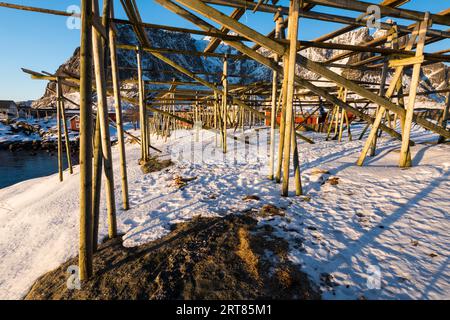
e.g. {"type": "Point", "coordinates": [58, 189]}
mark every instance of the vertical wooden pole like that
{"type": "Point", "coordinates": [216, 106]}
{"type": "Point", "coordinates": [445, 112]}
{"type": "Point", "coordinates": [337, 117]}
{"type": "Point", "coordinates": [97, 182]}
{"type": "Point", "coordinates": [174, 121]}
{"type": "Point", "coordinates": [349, 130]}
{"type": "Point", "coordinates": [225, 104]}
{"type": "Point", "coordinates": [296, 163]}
{"type": "Point", "coordinates": [102, 112]}
{"type": "Point", "coordinates": [405, 160]}
{"type": "Point", "coordinates": [384, 73]}
{"type": "Point", "coordinates": [142, 108]}
{"type": "Point", "coordinates": [331, 119]}
{"type": "Point", "coordinates": [118, 109]}
{"type": "Point", "coordinates": [341, 123]}
{"type": "Point", "coordinates": [58, 126]}
{"type": "Point", "coordinates": [400, 99]}
{"type": "Point", "coordinates": [273, 114]}
{"type": "Point", "coordinates": [283, 115]}
{"type": "Point", "coordinates": [197, 118]}
{"type": "Point", "coordinates": [98, 167]}
{"type": "Point", "coordinates": [66, 131]}
{"type": "Point", "coordinates": [293, 35]}
{"type": "Point", "coordinates": [395, 84]}
{"type": "Point", "coordinates": [242, 119]}
{"type": "Point", "coordinates": [85, 248]}
{"type": "Point", "coordinates": [343, 113]}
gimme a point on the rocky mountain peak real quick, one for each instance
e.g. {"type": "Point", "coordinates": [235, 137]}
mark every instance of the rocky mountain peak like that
{"type": "Point", "coordinates": [211, 68]}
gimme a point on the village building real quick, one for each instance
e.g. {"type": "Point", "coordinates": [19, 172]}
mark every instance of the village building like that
{"type": "Point", "coordinates": [8, 110]}
{"type": "Point", "coordinates": [75, 120]}
{"type": "Point", "coordinates": [24, 111]}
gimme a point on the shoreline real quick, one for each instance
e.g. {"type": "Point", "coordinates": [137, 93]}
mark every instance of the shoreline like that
{"type": "Point", "coordinates": [36, 145]}
{"type": "Point", "coordinates": [36, 134]}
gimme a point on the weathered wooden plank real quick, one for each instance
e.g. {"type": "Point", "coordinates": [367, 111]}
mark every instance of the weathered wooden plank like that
{"type": "Point", "coordinates": [406, 61]}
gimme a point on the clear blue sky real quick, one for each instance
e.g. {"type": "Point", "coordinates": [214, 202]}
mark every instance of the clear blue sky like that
{"type": "Point", "coordinates": [43, 42]}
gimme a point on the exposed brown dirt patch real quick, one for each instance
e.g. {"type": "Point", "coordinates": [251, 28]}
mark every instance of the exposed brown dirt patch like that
{"type": "Point", "coordinates": [246, 254]}
{"type": "Point", "coordinates": [251, 197]}
{"type": "Point", "coordinates": [207, 258]}
{"type": "Point", "coordinates": [154, 164]}
{"type": "Point", "coordinates": [181, 182]}
{"type": "Point", "coordinates": [269, 210]}
{"type": "Point", "coordinates": [333, 181]}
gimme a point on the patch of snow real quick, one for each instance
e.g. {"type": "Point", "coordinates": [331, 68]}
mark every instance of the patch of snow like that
{"type": "Point", "coordinates": [377, 216]}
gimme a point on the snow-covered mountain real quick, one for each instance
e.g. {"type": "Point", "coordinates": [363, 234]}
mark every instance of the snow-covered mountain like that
{"type": "Point", "coordinates": [241, 71]}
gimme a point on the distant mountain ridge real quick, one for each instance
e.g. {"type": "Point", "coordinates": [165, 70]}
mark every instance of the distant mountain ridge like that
{"type": "Point", "coordinates": [433, 75]}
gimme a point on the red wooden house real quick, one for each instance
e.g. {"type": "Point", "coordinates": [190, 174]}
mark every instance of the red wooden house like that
{"type": "Point", "coordinates": [312, 120]}
{"type": "Point", "coordinates": [75, 121]}
{"type": "Point", "coordinates": [317, 121]}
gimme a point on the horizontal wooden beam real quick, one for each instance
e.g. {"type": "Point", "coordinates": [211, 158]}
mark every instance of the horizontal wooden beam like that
{"type": "Point", "coordinates": [320, 16]}
{"type": "Point", "coordinates": [383, 39]}
{"type": "Point", "coordinates": [217, 16]}
{"type": "Point", "coordinates": [215, 42]}
{"type": "Point", "coordinates": [183, 52]}
{"type": "Point", "coordinates": [323, 71]}
{"type": "Point", "coordinates": [220, 35]}
{"type": "Point", "coordinates": [143, 39]}
{"type": "Point", "coordinates": [270, 63]}
{"type": "Point", "coordinates": [366, 48]}
{"type": "Point", "coordinates": [334, 34]}
{"type": "Point", "coordinates": [386, 11]}
{"type": "Point", "coordinates": [37, 75]}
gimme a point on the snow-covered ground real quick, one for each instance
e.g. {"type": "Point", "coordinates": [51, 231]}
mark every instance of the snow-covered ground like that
{"type": "Point", "coordinates": [7, 135]}
{"type": "Point", "coordinates": [47, 126]}
{"type": "Point", "coordinates": [378, 223]}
